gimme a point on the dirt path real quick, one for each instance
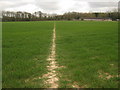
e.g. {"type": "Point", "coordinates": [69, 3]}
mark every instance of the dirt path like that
{"type": "Point", "coordinates": [51, 76]}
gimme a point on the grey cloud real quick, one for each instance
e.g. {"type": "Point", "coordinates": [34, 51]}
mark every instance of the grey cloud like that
{"type": "Point", "coordinates": [45, 5]}
{"type": "Point", "coordinates": [53, 5]}
{"type": "Point", "coordinates": [99, 0]}
{"type": "Point", "coordinates": [11, 4]}
{"type": "Point", "coordinates": [103, 4]}
{"type": "Point", "coordinates": [49, 5]}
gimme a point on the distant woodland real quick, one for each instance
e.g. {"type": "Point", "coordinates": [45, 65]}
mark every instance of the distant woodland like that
{"type": "Point", "coordinates": [39, 16]}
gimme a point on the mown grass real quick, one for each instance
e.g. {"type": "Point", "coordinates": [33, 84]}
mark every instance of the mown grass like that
{"type": "Point", "coordinates": [25, 49]}
{"type": "Point", "coordinates": [0, 55]}
{"type": "Point", "coordinates": [89, 51]}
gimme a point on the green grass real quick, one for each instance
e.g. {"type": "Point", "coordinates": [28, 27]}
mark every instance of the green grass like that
{"type": "Point", "coordinates": [87, 49]}
{"type": "Point", "coordinates": [0, 55]}
{"type": "Point", "coordinates": [25, 49]}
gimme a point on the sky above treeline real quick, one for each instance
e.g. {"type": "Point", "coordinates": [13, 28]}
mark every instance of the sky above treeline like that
{"type": "Point", "coordinates": [59, 6]}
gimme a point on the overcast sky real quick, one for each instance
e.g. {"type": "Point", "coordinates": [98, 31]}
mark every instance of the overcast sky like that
{"type": "Point", "coordinates": [58, 6]}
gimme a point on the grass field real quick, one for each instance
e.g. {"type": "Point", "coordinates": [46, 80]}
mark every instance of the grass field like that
{"type": "Point", "coordinates": [25, 49]}
{"type": "Point", "coordinates": [88, 50]}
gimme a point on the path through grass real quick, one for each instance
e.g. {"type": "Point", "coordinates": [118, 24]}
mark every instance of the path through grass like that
{"type": "Point", "coordinates": [86, 51]}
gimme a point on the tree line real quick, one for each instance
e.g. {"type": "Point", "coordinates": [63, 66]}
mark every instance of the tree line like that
{"type": "Point", "coordinates": [39, 16]}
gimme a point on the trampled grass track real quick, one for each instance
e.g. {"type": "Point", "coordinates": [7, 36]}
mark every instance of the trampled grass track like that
{"type": "Point", "coordinates": [52, 76]}
{"type": "Point", "coordinates": [87, 50]}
